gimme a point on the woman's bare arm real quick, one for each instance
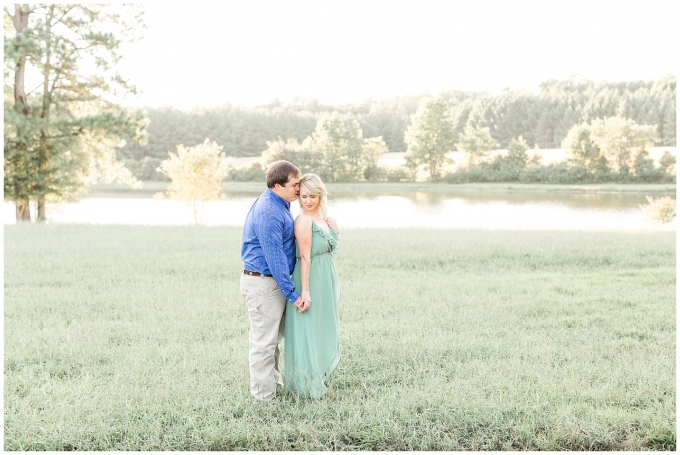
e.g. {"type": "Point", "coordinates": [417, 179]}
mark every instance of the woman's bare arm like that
{"type": "Point", "coordinates": [303, 235]}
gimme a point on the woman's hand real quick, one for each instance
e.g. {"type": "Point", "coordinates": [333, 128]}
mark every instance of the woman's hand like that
{"type": "Point", "coordinates": [306, 301]}
{"type": "Point", "coordinates": [333, 224]}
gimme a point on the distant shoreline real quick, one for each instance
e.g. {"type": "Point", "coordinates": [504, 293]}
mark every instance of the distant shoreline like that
{"type": "Point", "coordinates": [152, 187]}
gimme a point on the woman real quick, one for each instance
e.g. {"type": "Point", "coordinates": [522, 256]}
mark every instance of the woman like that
{"type": "Point", "coordinates": [312, 340]}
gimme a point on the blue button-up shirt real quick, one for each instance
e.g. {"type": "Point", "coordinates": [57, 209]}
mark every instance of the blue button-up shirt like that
{"type": "Point", "coordinates": [269, 241]}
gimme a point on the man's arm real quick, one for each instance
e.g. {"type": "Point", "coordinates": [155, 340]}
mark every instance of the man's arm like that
{"type": "Point", "coordinates": [270, 234]}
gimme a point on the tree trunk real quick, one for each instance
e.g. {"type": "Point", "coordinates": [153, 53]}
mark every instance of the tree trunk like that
{"type": "Point", "coordinates": [23, 212]}
{"type": "Point", "coordinates": [20, 103]}
{"type": "Point", "coordinates": [41, 209]}
{"type": "Point", "coordinates": [20, 20]}
{"type": "Point", "coordinates": [47, 95]}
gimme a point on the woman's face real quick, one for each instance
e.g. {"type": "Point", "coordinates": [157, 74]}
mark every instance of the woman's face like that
{"type": "Point", "coordinates": [308, 202]}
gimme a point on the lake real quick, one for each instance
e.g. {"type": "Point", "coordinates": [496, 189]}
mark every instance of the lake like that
{"type": "Point", "coordinates": [515, 211]}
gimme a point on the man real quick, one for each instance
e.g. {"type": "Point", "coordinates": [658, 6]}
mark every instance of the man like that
{"type": "Point", "coordinates": [268, 254]}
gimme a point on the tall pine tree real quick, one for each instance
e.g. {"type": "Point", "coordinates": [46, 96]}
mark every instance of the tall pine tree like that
{"type": "Point", "coordinates": [71, 123]}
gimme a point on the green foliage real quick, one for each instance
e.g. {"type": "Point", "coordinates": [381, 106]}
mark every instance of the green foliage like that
{"type": "Point", "coordinates": [397, 174]}
{"type": "Point", "coordinates": [559, 173]}
{"type": "Point", "coordinates": [336, 151]}
{"type": "Point", "coordinates": [667, 163]}
{"type": "Point", "coordinates": [430, 136]}
{"type": "Point", "coordinates": [371, 151]}
{"type": "Point", "coordinates": [643, 166]}
{"type": "Point", "coordinates": [477, 144]}
{"type": "Point", "coordinates": [197, 174]}
{"type": "Point", "coordinates": [609, 150]}
{"type": "Point", "coordinates": [618, 138]}
{"type": "Point", "coordinates": [253, 173]}
{"type": "Point", "coordinates": [303, 155]}
{"type": "Point", "coordinates": [339, 142]}
{"type": "Point", "coordinates": [63, 137]}
{"type": "Point", "coordinates": [146, 169]}
{"type": "Point", "coordinates": [516, 159]}
{"type": "Point", "coordinates": [242, 131]}
{"type": "Point", "coordinates": [582, 151]}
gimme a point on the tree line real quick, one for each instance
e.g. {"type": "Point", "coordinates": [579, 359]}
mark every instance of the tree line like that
{"type": "Point", "coordinates": [542, 119]}
{"type": "Point", "coordinates": [613, 149]}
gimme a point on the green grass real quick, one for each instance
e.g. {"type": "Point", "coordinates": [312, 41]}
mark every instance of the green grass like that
{"type": "Point", "coordinates": [135, 338]}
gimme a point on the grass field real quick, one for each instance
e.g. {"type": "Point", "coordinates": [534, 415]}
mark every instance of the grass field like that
{"type": "Point", "coordinates": [135, 338]}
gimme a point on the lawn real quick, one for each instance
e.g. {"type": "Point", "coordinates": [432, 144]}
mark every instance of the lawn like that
{"type": "Point", "coordinates": [136, 338]}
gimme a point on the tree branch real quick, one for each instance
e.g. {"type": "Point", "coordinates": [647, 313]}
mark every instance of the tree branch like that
{"type": "Point", "coordinates": [59, 71]}
{"type": "Point", "coordinates": [8, 13]}
{"type": "Point", "coordinates": [34, 89]}
{"type": "Point", "coordinates": [64, 15]}
{"type": "Point", "coordinates": [56, 77]}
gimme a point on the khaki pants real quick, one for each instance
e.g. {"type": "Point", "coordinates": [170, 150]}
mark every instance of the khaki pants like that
{"type": "Point", "coordinates": [266, 310]}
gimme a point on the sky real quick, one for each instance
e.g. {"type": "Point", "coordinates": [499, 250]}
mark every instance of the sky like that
{"type": "Point", "coordinates": [251, 52]}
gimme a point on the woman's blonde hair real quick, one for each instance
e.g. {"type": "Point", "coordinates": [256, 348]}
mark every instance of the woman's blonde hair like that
{"type": "Point", "coordinates": [313, 185]}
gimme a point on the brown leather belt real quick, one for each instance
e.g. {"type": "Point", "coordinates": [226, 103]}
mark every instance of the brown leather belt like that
{"type": "Point", "coordinates": [251, 273]}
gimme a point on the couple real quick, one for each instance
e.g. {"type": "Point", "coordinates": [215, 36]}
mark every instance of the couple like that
{"type": "Point", "coordinates": [275, 247]}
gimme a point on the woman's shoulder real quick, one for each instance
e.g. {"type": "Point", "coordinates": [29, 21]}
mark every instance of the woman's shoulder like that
{"type": "Point", "coordinates": [303, 220]}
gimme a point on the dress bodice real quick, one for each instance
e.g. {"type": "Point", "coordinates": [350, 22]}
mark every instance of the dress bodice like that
{"type": "Point", "coordinates": [322, 242]}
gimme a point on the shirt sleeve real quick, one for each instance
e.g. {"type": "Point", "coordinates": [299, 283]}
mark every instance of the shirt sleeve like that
{"type": "Point", "coordinates": [270, 233]}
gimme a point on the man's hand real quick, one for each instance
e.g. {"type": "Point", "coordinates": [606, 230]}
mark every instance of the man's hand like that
{"type": "Point", "coordinates": [298, 302]}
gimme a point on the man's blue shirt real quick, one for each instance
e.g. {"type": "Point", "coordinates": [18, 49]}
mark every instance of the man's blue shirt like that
{"type": "Point", "coordinates": [269, 241]}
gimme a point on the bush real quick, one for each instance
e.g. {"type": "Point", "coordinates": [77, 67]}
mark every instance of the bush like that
{"type": "Point", "coordinates": [469, 174]}
{"type": "Point", "coordinates": [399, 174]}
{"type": "Point", "coordinates": [374, 173]}
{"type": "Point", "coordinates": [667, 163]}
{"type": "Point", "coordinates": [659, 210]}
{"type": "Point", "coordinates": [558, 173]}
{"type": "Point", "coordinates": [255, 172]}
{"type": "Point", "coordinates": [145, 169]}
{"type": "Point", "coordinates": [501, 170]}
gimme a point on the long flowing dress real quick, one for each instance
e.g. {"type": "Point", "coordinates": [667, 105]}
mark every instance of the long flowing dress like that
{"type": "Point", "coordinates": [312, 350]}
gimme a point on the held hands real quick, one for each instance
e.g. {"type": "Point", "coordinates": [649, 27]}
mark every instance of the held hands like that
{"type": "Point", "coordinates": [303, 302]}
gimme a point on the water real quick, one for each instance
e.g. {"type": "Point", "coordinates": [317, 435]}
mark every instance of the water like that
{"type": "Point", "coordinates": [517, 211]}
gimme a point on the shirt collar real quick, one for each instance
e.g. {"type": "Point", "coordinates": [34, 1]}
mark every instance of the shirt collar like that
{"type": "Point", "coordinates": [275, 197]}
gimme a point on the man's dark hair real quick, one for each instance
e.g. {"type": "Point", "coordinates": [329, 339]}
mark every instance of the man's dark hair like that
{"type": "Point", "coordinates": [280, 172]}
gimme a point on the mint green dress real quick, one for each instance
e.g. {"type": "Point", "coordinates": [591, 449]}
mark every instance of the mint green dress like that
{"type": "Point", "coordinates": [312, 349]}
